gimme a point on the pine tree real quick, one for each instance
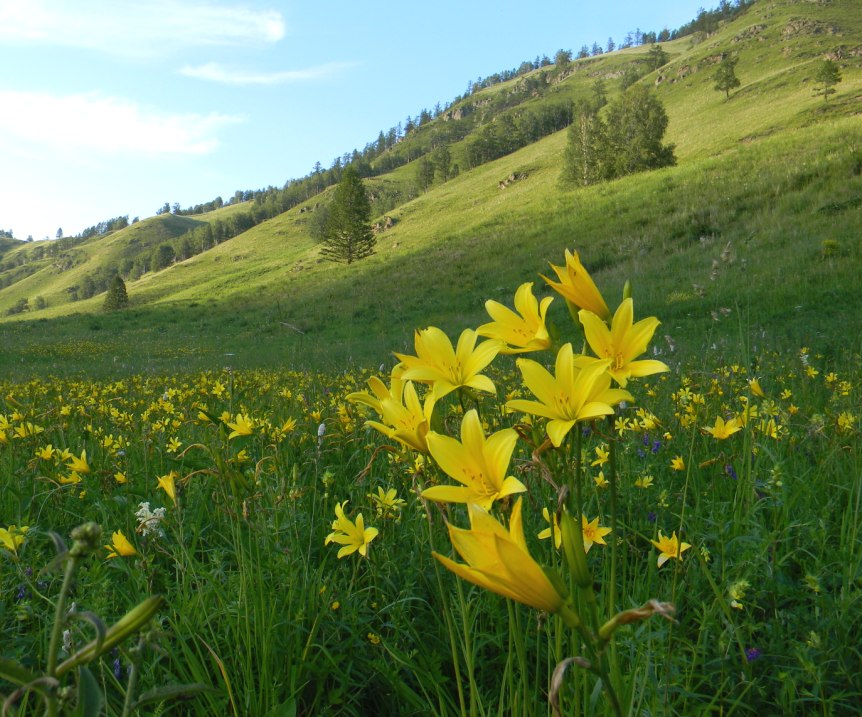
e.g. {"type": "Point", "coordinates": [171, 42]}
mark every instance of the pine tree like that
{"type": "Point", "coordinates": [347, 234]}
{"type": "Point", "coordinates": [116, 297]}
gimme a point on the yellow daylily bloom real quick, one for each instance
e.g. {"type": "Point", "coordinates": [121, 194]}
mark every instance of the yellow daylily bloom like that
{"type": "Point", "coordinates": [445, 368]}
{"type": "Point", "coordinates": [577, 287]}
{"type": "Point", "coordinates": [79, 465]}
{"type": "Point", "coordinates": [574, 394]}
{"type": "Point", "coordinates": [12, 537]}
{"type": "Point", "coordinates": [242, 425]}
{"type": "Point", "coordinates": [669, 548]}
{"type": "Point", "coordinates": [46, 453]}
{"type": "Point", "coordinates": [403, 417]}
{"type": "Point", "coordinates": [723, 429]}
{"type": "Point", "coordinates": [120, 546]}
{"type": "Point", "coordinates": [498, 560]}
{"type": "Point", "coordinates": [677, 463]}
{"type": "Point", "coordinates": [756, 388]}
{"type": "Point", "coordinates": [352, 536]}
{"type": "Point", "coordinates": [70, 479]}
{"type": "Point", "coordinates": [387, 503]}
{"type": "Point", "coordinates": [622, 343]}
{"type": "Point", "coordinates": [168, 483]}
{"type": "Point", "coordinates": [522, 331]}
{"type": "Point", "coordinates": [479, 464]}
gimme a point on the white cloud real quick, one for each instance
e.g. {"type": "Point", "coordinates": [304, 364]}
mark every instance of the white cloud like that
{"type": "Point", "coordinates": [136, 27]}
{"type": "Point", "coordinates": [95, 125]}
{"type": "Point", "coordinates": [214, 72]}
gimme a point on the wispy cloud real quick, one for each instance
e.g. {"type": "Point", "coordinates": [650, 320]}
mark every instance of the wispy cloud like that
{"type": "Point", "coordinates": [94, 125]}
{"type": "Point", "coordinates": [213, 72]}
{"type": "Point", "coordinates": [136, 27]}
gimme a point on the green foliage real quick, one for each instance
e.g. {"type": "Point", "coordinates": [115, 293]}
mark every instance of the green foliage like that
{"type": "Point", "coordinates": [827, 75]}
{"type": "Point", "coordinates": [117, 297]}
{"type": "Point", "coordinates": [348, 235]}
{"type": "Point", "coordinates": [725, 76]}
{"type": "Point", "coordinates": [629, 140]}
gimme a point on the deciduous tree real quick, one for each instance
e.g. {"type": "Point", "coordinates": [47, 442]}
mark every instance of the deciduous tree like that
{"type": "Point", "coordinates": [827, 76]}
{"type": "Point", "coordinates": [725, 76]}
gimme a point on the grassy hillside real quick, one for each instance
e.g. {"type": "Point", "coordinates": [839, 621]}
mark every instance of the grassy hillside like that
{"type": "Point", "coordinates": [756, 230]}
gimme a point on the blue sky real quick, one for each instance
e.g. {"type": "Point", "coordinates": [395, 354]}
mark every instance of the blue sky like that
{"type": "Point", "coordinates": [113, 107]}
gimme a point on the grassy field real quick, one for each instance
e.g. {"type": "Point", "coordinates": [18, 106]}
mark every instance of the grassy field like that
{"type": "Point", "coordinates": [213, 431]}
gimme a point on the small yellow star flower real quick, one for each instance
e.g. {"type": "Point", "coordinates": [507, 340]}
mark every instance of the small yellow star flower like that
{"type": "Point", "coordinates": [677, 463]}
{"type": "Point", "coordinates": [554, 528]}
{"type": "Point", "coordinates": [602, 455]}
{"type": "Point", "coordinates": [669, 547]}
{"type": "Point", "coordinates": [600, 480]}
{"type": "Point", "coordinates": [593, 533]}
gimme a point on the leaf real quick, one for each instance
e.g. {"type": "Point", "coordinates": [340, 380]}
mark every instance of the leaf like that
{"type": "Point", "coordinates": [89, 695]}
{"type": "Point", "coordinates": [286, 709]}
{"type": "Point", "coordinates": [15, 673]}
{"type": "Point", "coordinates": [173, 692]}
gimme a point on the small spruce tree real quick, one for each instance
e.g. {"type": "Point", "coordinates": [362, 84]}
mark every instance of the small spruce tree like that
{"type": "Point", "coordinates": [347, 234]}
{"type": "Point", "coordinates": [116, 297]}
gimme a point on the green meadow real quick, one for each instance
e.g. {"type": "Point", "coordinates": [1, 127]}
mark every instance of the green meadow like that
{"type": "Point", "coordinates": [256, 456]}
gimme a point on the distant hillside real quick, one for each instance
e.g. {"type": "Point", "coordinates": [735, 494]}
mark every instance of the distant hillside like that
{"type": "Point", "coordinates": [773, 172]}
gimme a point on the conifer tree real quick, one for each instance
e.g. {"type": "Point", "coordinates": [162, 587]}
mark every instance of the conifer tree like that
{"type": "Point", "coordinates": [116, 297]}
{"type": "Point", "coordinates": [347, 234]}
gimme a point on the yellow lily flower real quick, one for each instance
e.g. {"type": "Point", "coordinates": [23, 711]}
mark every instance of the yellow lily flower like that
{"type": "Point", "coordinates": [404, 418]}
{"type": "Point", "coordinates": [168, 483]}
{"type": "Point", "coordinates": [79, 465]}
{"type": "Point", "coordinates": [574, 394]}
{"type": "Point", "coordinates": [622, 343]}
{"type": "Point", "coordinates": [352, 536]}
{"type": "Point", "coordinates": [445, 368]}
{"type": "Point", "coordinates": [669, 548]}
{"type": "Point", "coordinates": [722, 429]}
{"type": "Point", "coordinates": [120, 546]}
{"type": "Point", "coordinates": [479, 464]}
{"type": "Point", "coordinates": [523, 331]}
{"type": "Point", "coordinates": [12, 537]}
{"type": "Point", "coordinates": [242, 425]}
{"type": "Point", "coordinates": [498, 560]}
{"type": "Point", "coordinates": [577, 287]}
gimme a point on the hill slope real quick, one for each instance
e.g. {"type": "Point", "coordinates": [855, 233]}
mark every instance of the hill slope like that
{"type": "Point", "coordinates": [767, 186]}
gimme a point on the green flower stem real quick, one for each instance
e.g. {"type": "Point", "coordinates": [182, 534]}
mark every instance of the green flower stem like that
{"type": "Point", "coordinates": [57, 629]}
